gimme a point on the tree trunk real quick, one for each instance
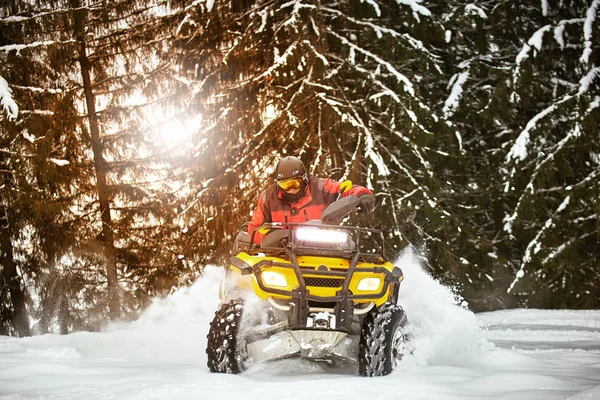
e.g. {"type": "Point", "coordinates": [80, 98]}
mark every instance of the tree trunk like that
{"type": "Point", "coordinates": [100, 167]}
{"type": "Point", "coordinates": [64, 316]}
{"type": "Point", "coordinates": [19, 318]}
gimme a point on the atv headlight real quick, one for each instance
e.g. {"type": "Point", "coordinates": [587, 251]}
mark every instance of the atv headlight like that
{"type": "Point", "coordinates": [316, 235]}
{"type": "Point", "coordinates": [272, 278]}
{"type": "Point", "coordinates": [369, 284]}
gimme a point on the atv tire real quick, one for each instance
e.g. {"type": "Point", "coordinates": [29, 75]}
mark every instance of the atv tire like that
{"type": "Point", "coordinates": [381, 340]}
{"type": "Point", "coordinates": [226, 348]}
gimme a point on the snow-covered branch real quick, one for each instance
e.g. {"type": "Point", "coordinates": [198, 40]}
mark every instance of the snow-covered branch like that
{"type": "Point", "coordinates": [431, 200]}
{"type": "Point", "coordinates": [35, 89]}
{"type": "Point", "coordinates": [414, 148]}
{"type": "Point", "coordinates": [294, 16]}
{"type": "Point", "coordinates": [380, 31]}
{"type": "Point", "coordinates": [385, 90]}
{"type": "Point", "coordinates": [472, 9]}
{"type": "Point", "coordinates": [544, 7]}
{"type": "Point", "coordinates": [592, 177]}
{"type": "Point", "coordinates": [19, 19]}
{"type": "Point", "coordinates": [558, 250]}
{"type": "Point", "coordinates": [315, 52]}
{"type": "Point", "coordinates": [518, 151]}
{"type": "Point", "coordinates": [19, 47]}
{"type": "Point", "coordinates": [408, 86]}
{"type": "Point", "coordinates": [534, 42]}
{"type": "Point", "coordinates": [279, 61]}
{"type": "Point", "coordinates": [373, 4]}
{"type": "Point", "coordinates": [370, 151]}
{"type": "Point", "coordinates": [587, 80]}
{"type": "Point", "coordinates": [509, 220]}
{"type": "Point", "coordinates": [457, 82]}
{"type": "Point", "coordinates": [416, 8]}
{"type": "Point", "coordinates": [413, 117]}
{"type": "Point", "coordinates": [6, 100]}
{"type": "Point", "coordinates": [535, 245]}
{"type": "Point", "coordinates": [587, 30]}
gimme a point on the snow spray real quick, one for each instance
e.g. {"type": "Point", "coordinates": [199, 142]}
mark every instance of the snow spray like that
{"type": "Point", "coordinates": [442, 331]}
{"type": "Point", "coordinates": [171, 329]}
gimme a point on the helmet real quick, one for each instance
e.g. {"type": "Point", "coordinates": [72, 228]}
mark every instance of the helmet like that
{"type": "Point", "coordinates": [289, 167]}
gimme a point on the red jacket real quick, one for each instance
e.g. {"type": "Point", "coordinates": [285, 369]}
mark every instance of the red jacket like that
{"type": "Point", "coordinates": [319, 194]}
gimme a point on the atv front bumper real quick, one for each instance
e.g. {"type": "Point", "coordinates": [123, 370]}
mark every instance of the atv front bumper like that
{"type": "Point", "coordinates": [311, 344]}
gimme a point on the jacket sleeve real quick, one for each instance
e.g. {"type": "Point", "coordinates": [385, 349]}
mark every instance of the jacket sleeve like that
{"type": "Point", "coordinates": [332, 190]}
{"type": "Point", "coordinates": [258, 218]}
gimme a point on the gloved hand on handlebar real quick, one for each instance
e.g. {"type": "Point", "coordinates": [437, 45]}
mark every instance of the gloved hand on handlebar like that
{"type": "Point", "coordinates": [367, 203]}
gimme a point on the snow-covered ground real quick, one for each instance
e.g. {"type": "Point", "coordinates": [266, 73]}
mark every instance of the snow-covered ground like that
{"type": "Point", "coordinates": [455, 354]}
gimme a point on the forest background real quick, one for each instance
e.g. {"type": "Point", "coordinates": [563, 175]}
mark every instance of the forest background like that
{"type": "Point", "coordinates": [135, 137]}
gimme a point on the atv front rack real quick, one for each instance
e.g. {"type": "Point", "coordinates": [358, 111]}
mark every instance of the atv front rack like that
{"type": "Point", "coordinates": [257, 269]}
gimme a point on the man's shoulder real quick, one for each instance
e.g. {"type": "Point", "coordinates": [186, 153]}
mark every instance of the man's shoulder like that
{"type": "Point", "coordinates": [271, 190]}
{"type": "Point", "coordinates": [322, 183]}
{"type": "Point", "coordinates": [317, 180]}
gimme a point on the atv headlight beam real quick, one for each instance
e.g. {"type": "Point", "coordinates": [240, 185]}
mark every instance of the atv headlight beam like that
{"type": "Point", "coordinates": [316, 235]}
{"type": "Point", "coordinates": [273, 279]}
{"type": "Point", "coordinates": [370, 284]}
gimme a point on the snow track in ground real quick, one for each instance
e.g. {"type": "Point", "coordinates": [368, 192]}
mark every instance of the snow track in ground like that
{"type": "Point", "coordinates": [541, 330]}
{"type": "Point", "coordinates": [575, 318]}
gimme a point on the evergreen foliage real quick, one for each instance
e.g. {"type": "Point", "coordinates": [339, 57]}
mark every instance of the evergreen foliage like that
{"type": "Point", "coordinates": [95, 266]}
{"type": "Point", "coordinates": [529, 115]}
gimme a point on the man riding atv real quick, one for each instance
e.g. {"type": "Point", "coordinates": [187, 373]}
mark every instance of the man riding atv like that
{"type": "Point", "coordinates": [297, 197]}
{"type": "Point", "coordinates": [300, 284]}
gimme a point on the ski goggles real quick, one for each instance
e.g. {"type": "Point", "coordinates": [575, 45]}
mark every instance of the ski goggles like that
{"type": "Point", "coordinates": [290, 183]}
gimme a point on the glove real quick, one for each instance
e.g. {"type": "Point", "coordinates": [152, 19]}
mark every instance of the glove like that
{"type": "Point", "coordinates": [264, 231]}
{"type": "Point", "coordinates": [366, 204]}
{"type": "Point", "coordinates": [345, 186]}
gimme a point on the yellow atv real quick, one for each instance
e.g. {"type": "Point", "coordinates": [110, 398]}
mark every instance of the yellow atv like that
{"type": "Point", "coordinates": [316, 290]}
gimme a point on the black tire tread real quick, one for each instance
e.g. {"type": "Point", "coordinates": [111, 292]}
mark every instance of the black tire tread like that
{"type": "Point", "coordinates": [222, 349]}
{"type": "Point", "coordinates": [375, 355]}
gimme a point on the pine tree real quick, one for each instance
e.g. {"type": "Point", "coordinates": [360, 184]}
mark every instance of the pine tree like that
{"type": "Point", "coordinates": [552, 165]}
{"type": "Point", "coordinates": [105, 58]}
{"type": "Point", "coordinates": [32, 195]}
{"type": "Point", "coordinates": [526, 75]}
